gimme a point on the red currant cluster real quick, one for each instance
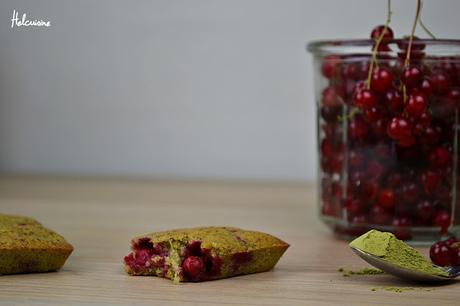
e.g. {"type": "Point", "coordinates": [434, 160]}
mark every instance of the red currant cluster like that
{"type": "Point", "coordinates": [388, 134]}
{"type": "Point", "coordinates": [446, 253]}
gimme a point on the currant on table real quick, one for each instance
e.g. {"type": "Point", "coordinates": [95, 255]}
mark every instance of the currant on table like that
{"type": "Point", "coordinates": [446, 252]}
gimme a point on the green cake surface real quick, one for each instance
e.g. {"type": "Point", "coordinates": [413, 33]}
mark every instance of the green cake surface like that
{"type": "Point", "coordinates": [27, 247]}
{"type": "Point", "coordinates": [224, 251]}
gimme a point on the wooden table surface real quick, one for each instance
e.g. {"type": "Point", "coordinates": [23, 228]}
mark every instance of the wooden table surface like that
{"type": "Point", "coordinates": [100, 216]}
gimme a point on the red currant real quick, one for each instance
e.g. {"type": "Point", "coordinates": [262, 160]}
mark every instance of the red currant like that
{"type": "Point", "coordinates": [416, 49]}
{"type": "Point", "coordinates": [375, 170]}
{"type": "Point", "coordinates": [442, 219]}
{"type": "Point", "coordinates": [382, 79]}
{"type": "Point", "coordinates": [364, 98]}
{"type": "Point", "coordinates": [379, 215]}
{"type": "Point", "coordinates": [440, 157]}
{"type": "Point", "coordinates": [441, 82]}
{"type": "Point", "coordinates": [371, 188]}
{"type": "Point", "coordinates": [455, 252]}
{"type": "Point", "coordinates": [399, 128]}
{"type": "Point", "coordinates": [353, 206]}
{"type": "Point", "coordinates": [417, 45]}
{"type": "Point", "coordinates": [359, 219]}
{"type": "Point", "coordinates": [454, 96]}
{"type": "Point", "coordinates": [387, 198]}
{"type": "Point", "coordinates": [393, 100]}
{"type": "Point", "coordinates": [355, 182]}
{"type": "Point", "coordinates": [372, 114]}
{"type": "Point", "coordinates": [411, 76]}
{"type": "Point", "coordinates": [416, 105]}
{"type": "Point", "coordinates": [378, 30]}
{"type": "Point", "coordinates": [327, 148]}
{"type": "Point", "coordinates": [356, 159]}
{"type": "Point", "coordinates": [410, 192]}
{"type": "Point", "coordinates": [425, 211]}
{"type": "Point", "coordinates": [351, 71]}
{"type": "Point", "coordinates": [358, 129]}
{"type": "Point", "coordinates": [330, 67]}
{"type": "Point", "coordinates": [331, 96]}
{"type": "Point", "coordinates": [441, 254]}
{"type": "Point", "coordinates": [402, 221]}
{"type": "Point", "coordinates": [426, 87]}
{"type": "Point", "coordinates": [379, 127]}
{"type": "Point", "coordinates": [425, 119]}
{"type": "Point", "coordinates": [330, 209]}
{"type": "Point", "coordinates": [430, 181]}
{"type": "Point", "coordinates": [194, 268]}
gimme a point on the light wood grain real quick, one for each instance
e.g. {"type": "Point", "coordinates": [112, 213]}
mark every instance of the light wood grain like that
{"type": "Point", "coordinates": [100, 216]}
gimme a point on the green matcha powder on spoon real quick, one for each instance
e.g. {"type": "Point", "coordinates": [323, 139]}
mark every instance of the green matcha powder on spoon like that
{"type": "Point", "coordinates": [384, 251]}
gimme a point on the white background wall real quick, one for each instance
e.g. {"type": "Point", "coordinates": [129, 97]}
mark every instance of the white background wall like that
{"type": "Point", "coordinates": [195, 89]}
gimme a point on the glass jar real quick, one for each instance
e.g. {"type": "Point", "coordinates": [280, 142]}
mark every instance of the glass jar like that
{"type": "Point", "coordinates": [388, 152]}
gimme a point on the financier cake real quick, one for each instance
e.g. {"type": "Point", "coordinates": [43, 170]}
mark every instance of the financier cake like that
{"type": "Point", "coordinates": [27, 247]}
{"type": "Point", "coordinates": [203, 253]}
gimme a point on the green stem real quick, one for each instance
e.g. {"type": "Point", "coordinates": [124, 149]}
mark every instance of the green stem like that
{"type": "Point", "coordinates": [377, 45]}
{"type": "Point", "coordinates": [411, 41]}
{"type": "Point", "coordinates": [350, 115]}
{"type": "Point", "coordinates": [411, 37]}
{"type": "Point", "coordinates": [423, 25]}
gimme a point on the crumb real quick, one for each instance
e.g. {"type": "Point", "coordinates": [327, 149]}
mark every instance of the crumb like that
{"type": "Point", "coordinates": [364, 271]}
{"type": "Point", "coordinates": [401, 289]}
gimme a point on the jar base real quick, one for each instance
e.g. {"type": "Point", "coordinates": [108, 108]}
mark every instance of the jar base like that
{"type": "Point", "coordinates": [415, 236]}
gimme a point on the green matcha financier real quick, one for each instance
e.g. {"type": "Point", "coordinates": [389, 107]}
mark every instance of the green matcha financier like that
{"type": "Point", "coordinates": [27, 247]}
{"type": "Point", "coordinates": [203, 253]}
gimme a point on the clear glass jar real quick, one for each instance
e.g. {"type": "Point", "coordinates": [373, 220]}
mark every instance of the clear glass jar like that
{"type": "Point", "coordinates": [385, 162]}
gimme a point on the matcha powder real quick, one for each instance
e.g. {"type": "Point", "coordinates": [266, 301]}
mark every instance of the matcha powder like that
{"type": "Point", "coordinates": [388, 247]}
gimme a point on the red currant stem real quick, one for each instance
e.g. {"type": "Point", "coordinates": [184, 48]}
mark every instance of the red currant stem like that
{"type": "Point", "coordinates": [411, 37]}
{"type": "Point", "coordinates": [423, 25]}
{"type": "Point", "coordinates": [377, 45]}
{"type": "Point", "coordinates": [404, 90]}
{"type": "Point", "coordinates": [350, 115]}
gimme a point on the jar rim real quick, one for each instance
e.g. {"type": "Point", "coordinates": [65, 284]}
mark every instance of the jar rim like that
{"type": "Point", "coordinates": [441, 47]}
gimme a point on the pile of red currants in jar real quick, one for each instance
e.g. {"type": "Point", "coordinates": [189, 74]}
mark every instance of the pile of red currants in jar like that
{"type": "Point", "coordinates": [388, 138]}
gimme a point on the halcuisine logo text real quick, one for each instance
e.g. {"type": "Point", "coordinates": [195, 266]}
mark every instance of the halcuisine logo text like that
{"type": "Point", "coordinates": [24, 22]}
